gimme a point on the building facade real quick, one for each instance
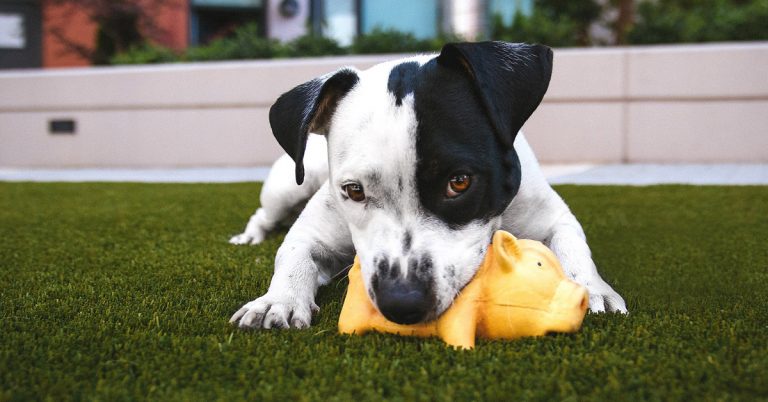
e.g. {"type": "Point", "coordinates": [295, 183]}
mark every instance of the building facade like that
{"type": "Point", "coordinates": [67, 33]}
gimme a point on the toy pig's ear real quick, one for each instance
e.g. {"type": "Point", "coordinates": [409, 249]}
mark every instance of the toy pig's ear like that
{"type": "Point", "coordinates": [308, 108]}
{"type": "Point", "coordinates": [506, 249]}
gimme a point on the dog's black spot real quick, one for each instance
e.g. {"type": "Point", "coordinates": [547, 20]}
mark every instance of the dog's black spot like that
{"type": "Point", "coordinates": [412, 265]}
{"type": "Point", "coordinates": [373, 178]}
{"type": "Point", "coordinates": [386, 270]}
{"type": "Point", "coordinates": [454, 135]}
{"type": "Point", "coordinates": [374, 286]}
{"type": "Point", "coordinates": [421, 268]}
{"type": "Point", "coordinates": [401, 80]}
{"type": "Point", "coordinates": [470, 103]}
{"type": "Point", "coordinates": [373, 202]}
{"type": "Point", "coordinates": [394, 270]}
{"type": "Point", "coordinates": [407, 241]}
{"type": "Point", "coordinates": [425, 264]}
{"type": "Point", "coordinates": [451, 270]}
{"type": "Point", "coordinates": [382, 267]}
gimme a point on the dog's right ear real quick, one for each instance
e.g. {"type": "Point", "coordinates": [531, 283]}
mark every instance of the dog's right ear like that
{"type": "Point", "coordinates": [308, 108]}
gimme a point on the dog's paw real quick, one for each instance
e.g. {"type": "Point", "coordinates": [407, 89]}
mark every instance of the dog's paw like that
{"type": "Point", "coordinates": [248, 237]}
{"type": "Point", "coordinates": [602, 298]}
{"type": "Point", "coordinates": [255, 230]}
{"type": "Point", "coordinates": [274, 312]}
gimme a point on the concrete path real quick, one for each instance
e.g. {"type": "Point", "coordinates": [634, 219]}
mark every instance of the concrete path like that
{"type": "Point", "coordinates": [635, 174]}
{"type": "Point", "coordinates": [648, 174]}
{"type": "Point", "coordinates": [180, 175]}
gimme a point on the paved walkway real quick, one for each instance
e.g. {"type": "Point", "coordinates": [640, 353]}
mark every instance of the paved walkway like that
{"type": "Point", "coordinates": [647, 174]}
{"type": "Point", "coordinates": [180, 175]}
{"type": "Point", "coordinates": [634, 174]}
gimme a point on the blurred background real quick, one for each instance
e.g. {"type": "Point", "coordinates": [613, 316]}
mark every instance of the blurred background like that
{"type": "Point", "coordinates": [188, 83]}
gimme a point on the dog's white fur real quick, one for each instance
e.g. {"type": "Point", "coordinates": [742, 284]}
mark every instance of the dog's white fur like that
{"type": "Point", "coordinates": [379, 141]}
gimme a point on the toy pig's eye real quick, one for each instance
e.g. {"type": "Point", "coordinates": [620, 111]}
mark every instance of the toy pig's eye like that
{"type": "Point", "coordinates": [538, 263]}
{"type": "Point", "coordinates": [354, 191]}
{"type": "Point", "coordinates": [458, 184]}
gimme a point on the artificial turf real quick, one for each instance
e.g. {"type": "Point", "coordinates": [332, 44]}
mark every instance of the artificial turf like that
{"type": "Point", "coordinates": [123, 292]}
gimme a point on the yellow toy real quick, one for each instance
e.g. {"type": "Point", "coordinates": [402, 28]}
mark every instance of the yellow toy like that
{"type": "Point", "coordinates": [519, 290]}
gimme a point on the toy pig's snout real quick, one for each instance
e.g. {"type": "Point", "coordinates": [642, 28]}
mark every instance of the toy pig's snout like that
{"type": "Point", "coordinates": [568, 306]}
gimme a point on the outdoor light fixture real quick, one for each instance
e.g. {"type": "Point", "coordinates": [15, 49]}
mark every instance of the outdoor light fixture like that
{"type": "Point", "coordinates": [289, 8]}
{"type": "Point", "coordinates": [62, 126]}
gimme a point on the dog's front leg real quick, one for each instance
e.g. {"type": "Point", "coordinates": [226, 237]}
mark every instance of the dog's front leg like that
{"type": "Point", "coordinates": [569, 243]}
{"type": "Point", "coordinates": [317, 246]}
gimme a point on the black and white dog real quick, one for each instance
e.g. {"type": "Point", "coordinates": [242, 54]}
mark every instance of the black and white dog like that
{"type": "Point", "coordinates": [423, 162]}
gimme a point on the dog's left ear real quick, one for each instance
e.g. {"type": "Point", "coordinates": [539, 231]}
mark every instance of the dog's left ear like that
{"type": "Point", "coordinates": [308, 108]}
{"type": "Point", "coordinates": [510, 78]}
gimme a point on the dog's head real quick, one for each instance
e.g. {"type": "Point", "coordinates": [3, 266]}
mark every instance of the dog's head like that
{"type": "Point", "coordinates": [421, 161]}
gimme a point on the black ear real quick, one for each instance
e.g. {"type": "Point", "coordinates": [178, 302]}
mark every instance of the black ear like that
{"type": "Point", "coordinates": [308, 108]}
{"type": "Point", "coordinates": [511, 79]}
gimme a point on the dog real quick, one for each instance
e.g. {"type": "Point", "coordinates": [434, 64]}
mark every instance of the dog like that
{"type": "Point", "coordinates": [413, 165]}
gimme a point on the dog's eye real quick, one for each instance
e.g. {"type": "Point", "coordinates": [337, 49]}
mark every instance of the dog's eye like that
{"type": "Point", "coordinates": [354, 191]}
{"type": "Point", "coordinates": [458, 184]}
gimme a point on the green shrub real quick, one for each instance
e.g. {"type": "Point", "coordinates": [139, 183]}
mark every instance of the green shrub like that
{"type": "Point", "coordinates": [575, 15]}
{"type": "Point", "coordinates": [437, 43]}
{"type": "Point", "coordinates": [145, 54]}
{"type": "Point", "coordinates": [312, 45]}
{"type": "Point", "coordinates": [561, 23]}
{"type": "Point", "coordinates": [537, 28]}
{"type": "Point", "coordinates": [246, 43]}
{"type": "Point", "coordinates": [686, 21]}
{"type": "Point", "coordinates": [388, 41]}
{"type": "Point", "coordinates": [393, 41]}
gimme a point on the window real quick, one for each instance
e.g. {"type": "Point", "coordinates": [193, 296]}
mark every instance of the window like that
{"type": "Point", "coordinates": [417, 17]}
{"type": "Point", "coordinates": [20, 34]}
{"type": "Point", "coordinates": [508, 8]}
{"type": "Point", "coordinates": [12, 35]}
{"type": "Point", "coordinates": [340, 22]}
{"type": "Point", "coordinates": [214, 19]}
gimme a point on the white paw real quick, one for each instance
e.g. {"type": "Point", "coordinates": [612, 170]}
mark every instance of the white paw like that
{"type": "Point", "coordinates": [248, 237]}
{"type": "Point", "coordinates": [603, 298]}
{"type": "Point", "coordinates": [274, 312]}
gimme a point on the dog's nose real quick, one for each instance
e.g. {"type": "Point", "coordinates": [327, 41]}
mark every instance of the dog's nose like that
{"type": "Point", "coordinates": [403, 302]}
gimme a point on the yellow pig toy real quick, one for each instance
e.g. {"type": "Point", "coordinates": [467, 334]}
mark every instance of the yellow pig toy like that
{"type": "Point", "coordinates": [519, 290]}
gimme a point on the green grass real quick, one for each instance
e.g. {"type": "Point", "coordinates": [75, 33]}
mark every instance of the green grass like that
{"type": "Point", "coordinates": [123, 292]}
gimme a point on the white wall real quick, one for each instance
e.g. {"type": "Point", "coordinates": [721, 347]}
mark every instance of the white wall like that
{"type": "Point", "coordinates": [705, 103]}
{"type": "Point", "coordinates": [698, 103]}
